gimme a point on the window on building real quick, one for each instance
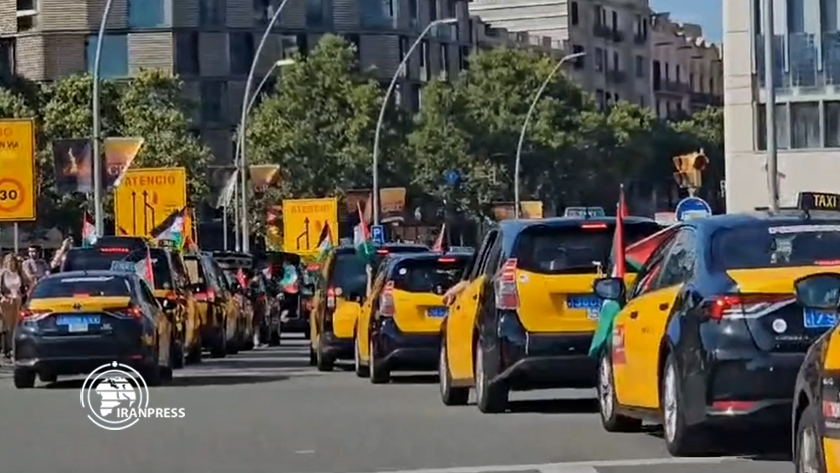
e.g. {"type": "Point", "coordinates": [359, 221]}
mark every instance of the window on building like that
{"type": "Point", "coordinates": [403, 50]}
{"type": "Point", "coordinates": [640, 67]}
{"type": "Point", "coordinates": [667, 71]}
{"type": "Point", "coordinates": [241, 52]}
{"type": "Point", "coordinates": [7, 58]}
{"type": "Point", "coordinates": [617, 98]}
{"type": "Point", "coordinates": [616, 65]}
{"type": "Point", "coordinates": [642, 101]}
{"type": "Point", "coordinates": [711, 85]}
{"type": "Point", "coordinates": [599, 60]}
{"type": "Point", "coordinates": [314, 13]}
{"type": "Point", "coordinates": [415, 97]}
{"type": "Point", "coordinates": [656, 75]}
{"type": "Point", "coordinates": [433, 10]}
{"type": "Point", "coordinates": [378, 13]}
{"type": "Point", "coordinates": [691, 82]}
{"type": "Point", "coordinates": [600, 98]}
{"type": "Point", "coordinates": [186, 53]}
{"type": "Point", "coordinates": [444, 62]}
{"type": "Point", "coordinates": [575, 14]}
{"type": "Point", "coordinates": [658, 108]}
{"type": "Point", "coordinates": [832, 124]}
{"type": "Point", "coordinates": [805, 125]}
{"type": "Point", "coordinates": [599, 14]}
{"type": "Point", "coordinates": [211, 13]}
{"type": "Point", "coordinates": [424, 60]}
{"type": "Point", "coordinates": [615, 20]}
{"type": "Point", "coordinates": [579, 61]}
{"type": "Point", "coordinates": [148, 13]}
{"type": "Point", "coordinates": [677, 72]}
{"type": "Point", "coordinates": [213, 96]}
{"type": "Point", "coordinates": [414, 13]}
{"type": "Point", "coordinates": [645, 27]}
{"type": "Point", "coordinates": [356, 41]}
{"type": "Point", "coordinates": [464, 58]}
{"type": "Point", "coordinates": [113, 62]}
{"type": "Point", "coordinates": [828, 17]}
{"type": "Point", "coordinates": [782, 127]}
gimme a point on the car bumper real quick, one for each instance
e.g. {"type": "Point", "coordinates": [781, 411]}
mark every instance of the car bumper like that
{"type": "Point", "coordinates": [543, 360]}
{"type": "Point", "coordinates": [339, 348]}
{"type": "Point", "coordinates": [405, 351]}
{"type": "Point", "coordinates": [295, 325]}
{"type": "Point", "coordinates": [68, 355]}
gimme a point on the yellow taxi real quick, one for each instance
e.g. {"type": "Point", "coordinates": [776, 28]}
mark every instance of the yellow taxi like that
{"type": "Point", "coordinates": [77, 321]}
{"type": "Point", "coordinates": [399, 324]}
{"type": "Point", "coordinates": [210, 302]}
{"type": "Point", "coordinates": [526, 316]}
{"type": "Point", "coordinates": [710, 335]}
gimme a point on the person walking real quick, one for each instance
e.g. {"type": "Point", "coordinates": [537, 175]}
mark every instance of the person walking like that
{"type": "Point", "coordinates": [34, 267]}
{"type": "Point", "coordinates": [12, 290]}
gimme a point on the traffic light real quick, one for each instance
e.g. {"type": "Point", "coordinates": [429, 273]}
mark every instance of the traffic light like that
{"type": "Point", "coordinates": [690, 169]}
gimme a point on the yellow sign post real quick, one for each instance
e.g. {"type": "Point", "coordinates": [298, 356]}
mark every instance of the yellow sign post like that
{"type": "Point", "coordinates": [303, 222]}
{"type": "Point", "coordinates": [147, 197]}
{"type": "Point", "coordinates": [17, 159]}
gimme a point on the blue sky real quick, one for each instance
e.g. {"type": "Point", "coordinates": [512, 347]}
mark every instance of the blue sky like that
{"type": "Point", "coordinates": [707, 13]}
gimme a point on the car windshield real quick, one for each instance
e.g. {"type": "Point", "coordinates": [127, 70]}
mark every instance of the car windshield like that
{"type": "Point", "coordinates": [577, 249]}
{"type": "Point", "coordinates": [82, 286]}
{"type": "Point", "coordinates": [428, 275]}
{"type": "Point", "coordinates": [771, 244]}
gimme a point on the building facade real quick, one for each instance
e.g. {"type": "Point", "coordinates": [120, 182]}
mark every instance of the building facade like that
{"type": "Point", "coordinates": [806, 45]}
{"type": "Point", "coordinates": [210, 44]}
{"type": "Point", "coordinates": [614, 34]}
{"type": "Point", "coordinates": [687, 71]}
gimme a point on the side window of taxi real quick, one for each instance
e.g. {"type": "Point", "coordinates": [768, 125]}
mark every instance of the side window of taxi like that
{"type": "Point", "coordinates": [481, 256]}
{"type": "Point", "coordinates": [147, 298]}
{"type": "Point", "coordinates": [180, 273]}
{"type": "Point", "coordinates": [679, 264]}
{"type": "Point", "coordinates": [652, 269]}
{"type": "Point", "coordinates": [494, 258]}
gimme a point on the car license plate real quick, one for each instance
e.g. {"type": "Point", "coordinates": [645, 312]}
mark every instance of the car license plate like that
{"type": "Point", "coordinates": [819, 319]}
{"type": "Point", "coordinates": [438, 312]}
{"type": "Point", "coordinates": [78, 324]}
{"type": "Point", "coordinates": [591, 304]}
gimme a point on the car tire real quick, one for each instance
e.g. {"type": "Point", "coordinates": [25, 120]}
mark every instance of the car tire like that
{"type": "Point", "coordinates": [219, 348]}
{"type": "Point", "coordinates": [378, 372]}
{"type": "Point", "coordinates": [450, 395]}
{"type": "Point", "coordinates": [607, 400]}
{"type": "Point", "coordinates": [178, 357]}
{"type": "Point", "coordinates": [153, 375]}
{"type": "Point", "coordinates": [323, 361]}
{"type": "Point", "coordinates": [194, 356]}
{"type": "Point", "coordinates": [47, 378]}
{"type": "Point", "coordinates": [361, 370]}
{"type": "Point", "coordinates": [24, 379]}
{"type": "Point", "coordinates": [680, 439]}
{"type": "Point", "coordinates": [808, 452]}
{"type": "Point", "coordinates": [313, 357]}
{"type": "Point", "coordinates": [490, 397]}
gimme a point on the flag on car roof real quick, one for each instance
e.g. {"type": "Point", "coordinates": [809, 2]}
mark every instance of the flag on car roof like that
{"type": "Point", "coordinates": [145, 269]}
{"type": "Point", "coordinates": [361, 237]}
{"type": "Point", "coordinates": [173, 229]}
{"type": "Point", "coordinates": [619, 269]}
{"type": "Point", "coordinates": [88, 231]}
{"type": "Point", "coordinates": [325, 243]}
{"type": "Point", "coordinates": [439, 241]}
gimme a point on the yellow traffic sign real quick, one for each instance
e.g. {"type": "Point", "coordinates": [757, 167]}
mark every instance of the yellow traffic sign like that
{"type": "Point", "coordinates": [17, 159]}
{"type": "Point", "coordinates": [146, 197]}
{"type": "Point", "coordinates": [303, 222]}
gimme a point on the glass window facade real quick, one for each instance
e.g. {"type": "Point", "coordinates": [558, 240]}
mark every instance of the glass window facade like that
{"type": "Point", "coordinates": [113, 62]}
{"type": "Point", "coordinates": [149, 13]}
{"type": "Point", "coordinates": [378, 13]}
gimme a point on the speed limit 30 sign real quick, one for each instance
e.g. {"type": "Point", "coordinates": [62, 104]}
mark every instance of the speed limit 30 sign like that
{"type": "Point", "coordinates": [17, 178]}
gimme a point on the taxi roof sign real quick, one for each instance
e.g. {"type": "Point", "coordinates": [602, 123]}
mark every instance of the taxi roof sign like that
{"type": "Point", "coordinates": [123, 267]}
{"type": "Point", "coordinates": [818, 201]}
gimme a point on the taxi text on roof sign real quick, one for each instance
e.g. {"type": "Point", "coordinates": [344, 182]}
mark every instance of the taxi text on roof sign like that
{"type": "Point", "coordinates": [303, 222]}
{"type": "Point", "coordinates": [818, 201]}
{"type": "Point", "coordinates": [146, 197]}
{"type": "Point", "coordinates": [17, 159]}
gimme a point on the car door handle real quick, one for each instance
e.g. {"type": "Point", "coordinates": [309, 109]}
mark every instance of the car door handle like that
{"type": "Point", "coordinates": [664, 306]}
{"type": "Point", "coordinates": [457, 307]}
{"type": "Point", "coordinates": [634, 314]}
{"type": "Point", "coordinates": [475, 297]}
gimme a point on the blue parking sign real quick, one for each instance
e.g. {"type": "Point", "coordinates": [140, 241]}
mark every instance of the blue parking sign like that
{"type": "Point", "coordinates": [377, 234]}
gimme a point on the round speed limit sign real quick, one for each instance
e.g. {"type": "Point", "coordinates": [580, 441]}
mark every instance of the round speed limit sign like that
{"type": "Point", "coordinates": [11, 195]}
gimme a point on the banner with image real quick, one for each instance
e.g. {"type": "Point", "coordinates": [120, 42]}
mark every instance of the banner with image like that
{"type": "Point", "coordinates": [73, 164]}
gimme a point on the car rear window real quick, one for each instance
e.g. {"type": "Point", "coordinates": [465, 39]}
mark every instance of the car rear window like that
{"type": "Point", "coordinates": [91, 259]}
{"type": "Point", "coordinates": [772, 244]}
{"type": "Point", "coordinates": [348, 273]}
{"type": "Point", "coordinates": [428, 275]}
{"type": "Point", "coordinates": [82, 286]}
{"type": "Point", "coordinates": [577, 249]}
{"type": "Point", "coordinates": [161, 270]}
{"type": "Point", "coordinates": [194, 270]}
{"type": "Point", "coordinates": [383, 253]}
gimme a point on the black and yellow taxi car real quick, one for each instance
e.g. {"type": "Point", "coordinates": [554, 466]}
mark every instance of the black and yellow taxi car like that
{"type": "Point", "coordinates": [241, 330]}
{"type": "Point", "coordinates": [527, 314]}
{"type": "Point", "coordinates": [399, 324]}
{"type": "Point", "coordinates": [211, 302]}
{"type": "Point", "coordinates": [709, 334]}
{"type": "Point", "coordinates": [341, 289]}
{"type": "Point", "coordinates": [77, 321]}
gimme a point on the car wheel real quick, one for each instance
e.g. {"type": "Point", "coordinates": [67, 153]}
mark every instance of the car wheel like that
{"type": "Point", "coordinates": [219, 348]}
{"type": "Point", "coordinates": [607, 403]}
{"type": "Point", "coordinates": [680, 439]}
{"type": "Point", "coordinates": [194, 356]}
{"type": "Point", "coordinates": [378, 372]}
{"type": "Point", "coordinates": [177, 357]}
{"type": "Point", "coordinates": [153, 375]}
{"type": "Point", "coordinates": [491, 398]}
{"type": "Point", "coordinates": [24, 379]}
{"type": "Point", "coordinates": [808, 454]}
{"type": "Point", "coordinates": [313, 357]}
{"type": "Point", "coordinates": [47, 378]}
{"type": "Point", "coordinates": [450, 395]}
{"type": "Point", "coordinates": [361, 370]}
{"type": "Point", "coordinates": [323, 361]}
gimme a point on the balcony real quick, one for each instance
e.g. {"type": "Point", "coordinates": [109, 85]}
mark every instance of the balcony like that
{"type": "Point", "coordinates": [674, 87]}
{"type": "Point", "coordinates": [607, 33]}
{"type": "Point", "coordinates": [616, 77]}
{"type": "Point", "coordinates": [640, 39]}
{"type": "Point", "coordinates": [703, 100]}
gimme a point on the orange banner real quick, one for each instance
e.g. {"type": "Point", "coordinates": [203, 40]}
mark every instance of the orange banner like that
{"type": "Point", "coordinates": [119, 154]}
{"type": "Point", "coordinates": [264, 176]}
{"type": "Point", "coordinates": [531, 209]}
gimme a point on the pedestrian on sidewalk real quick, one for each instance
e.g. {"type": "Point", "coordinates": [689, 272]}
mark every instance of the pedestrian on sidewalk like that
{"type": "Point", "coordinates": [34, 267]}
{"type": "Point", "coordinates": [12, 289]}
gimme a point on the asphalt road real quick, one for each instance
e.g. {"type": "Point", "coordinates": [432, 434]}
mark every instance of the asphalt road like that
{"type": "Point", "coordinates": [268, 411]}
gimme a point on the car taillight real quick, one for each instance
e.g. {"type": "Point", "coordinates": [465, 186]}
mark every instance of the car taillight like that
{"type": "Point", "coordinates": [172, 296]}
{"type": "Point", "coordinates": [742, 306]}
{"type": "Point", "coordinates": [115, 250]}
{"type": "Point", "coordinates": [446, 260]}
{"type": "Point", "coordinates": [507, 296]}
{"type": "Point", "coordinates": [593, 226]}
{"type": "Point", "coordinates": [33, 315]}
{"type": "Point", "coordinates": [130, 312]}
{"type": "Point", "coordinates": [386, 301]}
{"type": "Point", "coordinates": [331, 298]}
{"type": "Point", "coordinates": [381, 252]}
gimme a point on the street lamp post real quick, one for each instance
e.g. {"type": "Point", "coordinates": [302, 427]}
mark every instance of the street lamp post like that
{"type": "Point", "coordinates": [243, 161]}
{"type": "Point", "coordinates": [770, 105]}
{"type": "Point", "coordinates": [385, 106]}
{"type": "Point", "coordinates": [97, 124]}
{"type": "Point", "coordinates": [533, 107]}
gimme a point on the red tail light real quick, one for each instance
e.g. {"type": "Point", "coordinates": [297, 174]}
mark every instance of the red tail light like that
{"type": "Point", "coordinates": [381, 252]}
{"type": "Point", "coordinates": [172, 296]}
{"type": "Point", "coordinates": [114, 250]}
{"type": "Point", "coordinates": [743, 306]}
{"type": "Point", "coordinates": [33, 315]}
{"type": "Point", "coordinates": [386, 301]}
{"type": "Point", "coordinates": [130, 312]}
{"type": "Point", "coordinates": [331, 297]}
{"type": "Point", "coordinates": [593, 226]}
{"type": "Point", "coordinates": [507, 295]}
{"type": "Point", "coordinates": [446, 260]}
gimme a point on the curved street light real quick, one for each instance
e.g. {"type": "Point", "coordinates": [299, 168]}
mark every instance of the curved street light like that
{"type": "Point", "coordinates": [525, 128]}
{"type": "Point", "coordinates": [388, 93]}
{"type": "Point", "coordinates": [243, 161]}
{"type": "Point", "coordinates": [97, 124]}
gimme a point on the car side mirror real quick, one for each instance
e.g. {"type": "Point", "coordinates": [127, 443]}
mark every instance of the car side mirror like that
{"type": "Point", "coordinates": [168, 304]}
{"type": "Point", "coordinates": [611, 289]}
{"type": "Point", "coordinates": [355, 297]}
{"type": "Point", "coordinates": [818, 291]}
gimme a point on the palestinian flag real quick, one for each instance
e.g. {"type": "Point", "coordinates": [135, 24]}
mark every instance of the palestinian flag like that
{"type": "Point", "coordinates": [173, 229]}
{"type": "Point", "coordinates": [88, 231]}
{"type": "Point", "coordinates": [439, 241]}
{"type": "Point", "coordinates": [638, 253]}
{"type": "Point", "coordinates": [361, 237]}
{"type": "Point", "coordinates": [619, 269]}
{"type": "Point", "coordinates": [145, 269]}
{"type": "Point", "coordinates": [325, 242]}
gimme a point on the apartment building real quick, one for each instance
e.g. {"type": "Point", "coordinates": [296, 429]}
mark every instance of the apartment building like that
{"type": "Point", "coordinates": [687, 70]}
{"type": "Point", "coordinates": [614, 34]}
{"type": "Point", "coordinates": [806, 46]}
{"type": "Point", "coordinates": [210, 44]}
